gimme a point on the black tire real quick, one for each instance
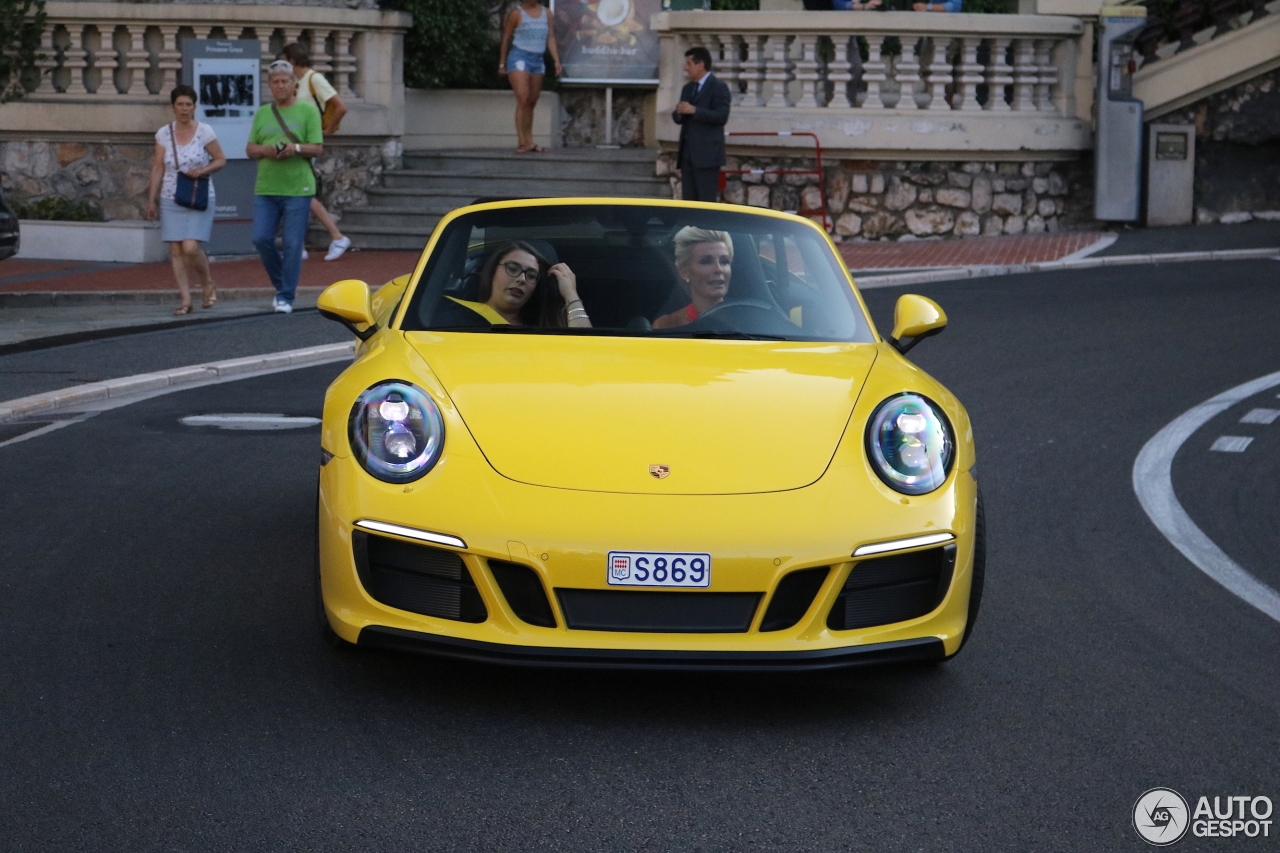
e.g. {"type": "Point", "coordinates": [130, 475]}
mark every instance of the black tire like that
{"type": "Point", "coordinates": [979, 572]}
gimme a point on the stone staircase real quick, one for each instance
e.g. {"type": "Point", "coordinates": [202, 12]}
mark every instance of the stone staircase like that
{"type": "Point", "coordinates": [402, 213]}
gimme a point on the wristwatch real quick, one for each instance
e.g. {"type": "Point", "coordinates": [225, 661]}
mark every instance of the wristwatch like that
{"type": "Point", "coordinates": [297, 147]}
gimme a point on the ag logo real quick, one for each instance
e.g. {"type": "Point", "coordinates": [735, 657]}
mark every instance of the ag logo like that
{"type": "Point", "coordinates": [659, 471]}
{"type": "Point", "coordinates": [1160, 816]}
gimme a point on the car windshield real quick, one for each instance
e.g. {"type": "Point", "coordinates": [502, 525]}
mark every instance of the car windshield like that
{"type": "Point", "coordinates": [636, 270]}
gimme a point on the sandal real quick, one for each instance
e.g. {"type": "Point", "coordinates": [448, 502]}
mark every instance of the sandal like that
{"type": "Point", "coordinates": [210, 299]}
{"type": "Point", "coordinates": [526, 149]}
{"type": "Point", "coordinates": [182, 309]}
{"type": "Point", "coordinates": [537, 149]}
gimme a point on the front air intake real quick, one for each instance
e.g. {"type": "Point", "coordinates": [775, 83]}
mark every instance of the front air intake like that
{"type": "Point", "coordinates": [792, 598]}
{"type": "Point", "coordinates": [416, 578]}
{"type": "Point", "coordinates": [523, 590]}
{"type": "Point", "coordinates": [658, 612]}
{"type": "Point", "coordinates": [891, 589]}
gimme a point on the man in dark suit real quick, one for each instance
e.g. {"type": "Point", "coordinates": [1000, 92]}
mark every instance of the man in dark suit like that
{"type": "Point", "coordinates": [702, 113]}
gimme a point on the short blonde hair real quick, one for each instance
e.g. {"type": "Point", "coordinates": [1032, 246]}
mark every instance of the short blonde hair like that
{"type": "Point", "coordinates": [688, 237]}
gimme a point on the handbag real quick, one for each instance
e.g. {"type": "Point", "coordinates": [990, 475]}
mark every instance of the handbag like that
{"type": "Point", "coordinates": [188, 192]}
{"type": "Point", "coordinates": [327, 110]}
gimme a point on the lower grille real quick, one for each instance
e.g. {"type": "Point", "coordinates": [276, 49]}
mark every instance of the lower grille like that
{"type": "Point", "coordinates": [658, 612]}
{"type": "Point", "coordinates": [792, 598]}
{"type": "Point", "coordinates": [417, 578]}
{"type": "Point", "coordinates": [893, 589]}
{"type": "Point", "coordinates": [522, 588]}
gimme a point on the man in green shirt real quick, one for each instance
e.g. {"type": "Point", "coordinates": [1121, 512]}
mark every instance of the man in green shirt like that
{"type": "Point", "coordinates": [285, 137]}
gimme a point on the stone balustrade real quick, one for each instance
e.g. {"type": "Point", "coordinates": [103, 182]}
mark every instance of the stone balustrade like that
{"type": "Point", "coordinates": [100, 57]}
{"type": "Point", "coordinates": [883, 84]}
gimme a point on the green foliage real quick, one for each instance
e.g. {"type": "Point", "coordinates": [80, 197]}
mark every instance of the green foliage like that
{"type": "Point", "coordinates": [451, 45]}
{"type": "Point", "coordinates": [21, 22]}
{"type": "Point", "coordinates": [58, 208]}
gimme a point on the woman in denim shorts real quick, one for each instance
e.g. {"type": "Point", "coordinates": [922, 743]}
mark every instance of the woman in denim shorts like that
{"type": "Point", "coordinates": [526, 36]}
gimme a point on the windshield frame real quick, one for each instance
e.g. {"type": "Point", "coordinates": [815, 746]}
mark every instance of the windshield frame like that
{"type": "Point", "coordinates": [507, 214]}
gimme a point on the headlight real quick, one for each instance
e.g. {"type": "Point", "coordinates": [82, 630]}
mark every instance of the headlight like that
{"type": "Point", "coordinates": [910, 444]}
{"type": "Point", "coordinates": [396, 431]}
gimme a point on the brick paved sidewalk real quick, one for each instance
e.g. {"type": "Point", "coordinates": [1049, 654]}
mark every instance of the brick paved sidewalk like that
{"type": "Point", "coordinates": [23, 276]}
{"type": "Point", "coordinates": [970, 252]}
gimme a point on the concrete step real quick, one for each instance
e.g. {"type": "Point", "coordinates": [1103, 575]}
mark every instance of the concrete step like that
{"type": "Point", "coordinates": [581, 162]}
{"type": "Point", "coordinates": [515, 184]}
{"type": "Point", "coordinates": [414, 200]}
{"type": "Point", "coordinates": [393, 217]}
{"type": "Point", "coordinates": [377, 237]}
{"type": "Point", "coordinates": [404, 211]}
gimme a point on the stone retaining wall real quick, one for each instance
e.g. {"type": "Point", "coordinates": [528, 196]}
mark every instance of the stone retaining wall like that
{"type": "Point", "coordinates": [582, 117]}
{"type": "Point", "coordinates": [1237, 149]}
{"type": "Point", "coordinates": [114, 177]}
{"type": "Point", "coordinates": [890, 200]}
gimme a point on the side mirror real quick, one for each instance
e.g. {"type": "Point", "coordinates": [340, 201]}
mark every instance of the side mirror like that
{"type": "Point", "coordinates": [348, 303]}
{"type": "Point", "coordinates": [914, 319]}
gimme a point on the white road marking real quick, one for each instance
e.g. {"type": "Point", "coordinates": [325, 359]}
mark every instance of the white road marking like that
{"type": "Point", "coordinates": [250, 421]}
{"type": "Point", "coordinates": [1232, 443]}
{"type": "Point", "coordinates": [109, 394]}
{"type": "Point", "coordinates": [39, 431]}
{"type": "Point", "coordinates": [1260, 416]}
{"type": "Point", "coordinates": [1153, 484]}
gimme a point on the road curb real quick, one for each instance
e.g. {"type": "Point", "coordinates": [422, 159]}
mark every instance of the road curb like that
{"type": "Point", "coordinates": [951, 274]}
{"type": "Point", "coordinates": [196, 374]}
{"type": "Point", "coordinates": [65, 298]}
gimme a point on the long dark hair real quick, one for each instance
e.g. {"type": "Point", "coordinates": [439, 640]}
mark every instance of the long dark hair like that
{"type": "Point", "coordinates": [545, 306]}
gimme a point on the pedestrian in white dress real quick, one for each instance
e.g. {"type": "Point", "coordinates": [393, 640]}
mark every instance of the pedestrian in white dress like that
{"type": "Point", "coordinates": [191, 147]}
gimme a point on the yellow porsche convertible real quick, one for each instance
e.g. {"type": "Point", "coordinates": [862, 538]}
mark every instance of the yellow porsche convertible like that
{"type": "Point", "coordinates": [637, 433]}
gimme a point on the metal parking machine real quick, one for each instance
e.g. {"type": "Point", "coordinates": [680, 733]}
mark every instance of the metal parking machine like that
{"type": "Point", "coordinates": [1118, 124]}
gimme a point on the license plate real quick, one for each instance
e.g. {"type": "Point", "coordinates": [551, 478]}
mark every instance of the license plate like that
{"type": "Point", "coordinates": [659, 568]}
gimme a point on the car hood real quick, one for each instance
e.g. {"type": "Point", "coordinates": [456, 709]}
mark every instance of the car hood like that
{"type": "Point", "coordinates": [596, 414]}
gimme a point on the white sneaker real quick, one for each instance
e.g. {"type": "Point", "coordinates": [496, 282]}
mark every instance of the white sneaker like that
{"type": "Point", "coordinates": [281, 306]}
{"type": "Point", "coordinates": [305, 255]}
{"type": "Point", "coordinates": [337, 247]}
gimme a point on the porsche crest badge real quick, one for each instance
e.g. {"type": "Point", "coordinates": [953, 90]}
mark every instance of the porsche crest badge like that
{"type": "Point", "coordinates": [659, 471]}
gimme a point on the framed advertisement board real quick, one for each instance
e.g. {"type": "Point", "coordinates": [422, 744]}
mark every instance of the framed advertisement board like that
{"type": "Point", "coordinates": [607, 42]}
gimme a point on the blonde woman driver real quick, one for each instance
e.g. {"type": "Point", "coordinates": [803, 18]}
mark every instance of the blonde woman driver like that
{"type": "Point", "coordinates": [704, 263]}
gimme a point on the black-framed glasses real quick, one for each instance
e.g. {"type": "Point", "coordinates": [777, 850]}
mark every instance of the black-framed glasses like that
{"type": "Point", "coordinates": [515, 271]}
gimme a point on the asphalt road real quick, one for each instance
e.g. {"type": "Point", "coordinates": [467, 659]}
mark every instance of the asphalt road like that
{"type": "Point", "coordinates": [162, 686]}
{"type": "Point", "coordinates": [25, 373]}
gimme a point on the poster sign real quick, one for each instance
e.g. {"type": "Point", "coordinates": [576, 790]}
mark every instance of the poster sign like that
{"type": "Point", "coordinates": [225, 75]}
{"type": "Point", "coordinates": [607, 42]}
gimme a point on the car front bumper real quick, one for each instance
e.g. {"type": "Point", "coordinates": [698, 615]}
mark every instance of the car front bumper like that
{"type": "Point", "coordinates": [563, 537]}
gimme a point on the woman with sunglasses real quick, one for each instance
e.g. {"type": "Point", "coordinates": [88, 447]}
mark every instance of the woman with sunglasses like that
{"type": "Point", "coordinates": [510, 293]}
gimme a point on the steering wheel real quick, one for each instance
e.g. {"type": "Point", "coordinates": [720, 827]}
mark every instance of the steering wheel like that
{"type": "Point", "coordinates": [758, 304]}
